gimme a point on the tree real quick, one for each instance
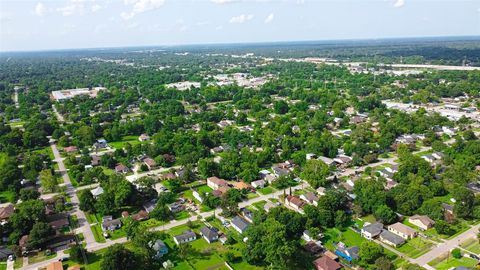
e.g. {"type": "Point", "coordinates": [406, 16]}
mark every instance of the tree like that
{"type": "Point", "coordinates": [86, 201]}
{"type": "Point", "coordinates": [117, 257]}
{"type": "Point", "coordinates": [370, 194]}
{"type": "Point", "coordinates": [443, 227]}
{"type": "Point", "coordinates": [384, 263]}
{"type": "Point", "coordinates": [207, 167]}
{"type": "Point", "coordinates": [39, 234]}
{"type": "Point", "coordinates": [27, 214]}
{"type": "Point", "coordinates": [385, 214]}
{"type": "Point", "coordinates": [184, 250]}
{"type": "Point", "coordinates": [161, 212]}
{"type": "Point", "coordinates": [456, 253]}
{"type": "Point", "coordinates": [48, 180]}
{"type": "Point", "coordinates": [464, 204]}
{"type": "Point", "coordinates": [370, 252]}
{"type": "Point", "coordinates": [76, 253]}
{"type": "Point", "coordinates": [280, 107]}
{"type": "Point", "coordinates": [29, 194]}
{"type": "Point", "coordinates": [315, 172]}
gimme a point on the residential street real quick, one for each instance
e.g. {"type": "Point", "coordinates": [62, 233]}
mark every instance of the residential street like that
{"type": "Point", "coordinates": [84, 227]}
{"type": "Point", "coordinates": [446, 246]}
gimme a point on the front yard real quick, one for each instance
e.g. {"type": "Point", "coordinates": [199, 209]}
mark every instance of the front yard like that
{"type": "Point", "coordinates": [415, 247]}
{"type": "Point", "coordinates": [446, 262]}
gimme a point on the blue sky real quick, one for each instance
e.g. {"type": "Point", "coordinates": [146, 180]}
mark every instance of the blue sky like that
{"type": "Point", "coordinates": [61, 24]}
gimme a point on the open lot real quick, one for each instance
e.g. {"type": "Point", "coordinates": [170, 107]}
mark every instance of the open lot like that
{"type": "Point", "coordinates": [448, 262]}
{"type": "Point", "coordinates": [471, 245]}
{"type": "Point", "coordinates": [415, 247]}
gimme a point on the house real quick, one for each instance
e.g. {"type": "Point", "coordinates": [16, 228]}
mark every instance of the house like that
{"type": "Point", "coordinates": [210, 235]}
{"type": "Point", "coordinates": [55, 266]}
{"type": "Point", "coordinates": [307, 236]}
{"type": "Point", "coordinates": [448, 212]}
{"type": "Point", "coordinates": [258, 184]}
{"type": "Point", "coordinates": [220, 191]}
{"type": "Point", "coordinates": [6, 212]}
{"type": "Point", "coordinates": [5, 253]}
{"type": "Point", "coordinates": [159, 247]}
{"type": "Point", "coordinates": [313, 247]}
{"type": "Point", "coordinates": [141, 215]}
{"type": "Point", "coordinates": [242, 185]}
{"type": "Point", "coordinates": [321, 191]}
{"type": "Point", "coordinates": [279, 171]}
{"type": "Point", "coordinates": [328, 161]}
{"type": "Point", "coordinates": [343, 160]}
{"type": "Point", "coordinates": [247, 214]}
{"type": "Point", "coordinates": [310, 156]}
{"type": "Point", "coordinates": [423, 222]}
{"type": "Point", "coordinates": [176, 207]}
{"type": "Point", "coordinates": [402, 230]}
{"type": "Point", "coordinates": [60, 241]}
{"type": "Point", "coordinates": [216, 150]}
{"type": "Point", "coordinates": [150, 163]}
{"type": "Point", "coordinates": [185, 237]}
{"type": "Point", "coordinates": [70, 149]}
{"type": "Point", "coordinates": [101, 143]}
{"type": "Point", "coordinates": [215, 182]}
{"type": "Point", "coordinates": [239, 224]}
{"type": "Point", "coordinates": [371, 230]}
{"type": "Point", "coordinates": [197, 196]}
{"type": "Point", "coordinates": [310, 198]}
{"type": "Point", "coordinates": [120, 168]}
{"type": "Point", "coordinates": [149, 206]}
{"type": "Point", "coordinates": [58, 221]}
{"type": "Point", "coordinates": [97, 191]}
{"type": "Point", "coordinates": [294, 202]}
{"type": "Point", "coordinates": [391, 239]}
{"type": "Point", "coordinates": [326, 263]}
{"type": "Point", "coordinates": [348, 254]}
{"type": "Point", "coordinates": [110, 224]}
{"type": "Point", "coordinates": [95, 160]}
{"type": "Point", "coordinates": [143, 137]}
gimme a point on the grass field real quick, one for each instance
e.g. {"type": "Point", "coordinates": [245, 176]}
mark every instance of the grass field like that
{"type": "Point", "coordinates": [40, 256]}
{"type": "Point", "coordinates": [448, 262]}
{"type": "Point", "coordinates": [265, 190]}
{"type": "Point", "coordinates": [471, 245]}
{"type": "Point", "coordinates": [98, 233]}
{"type": "Point", "coordinates": [7, 196]}
{"type": "Point", "coordinates": [415, 247]}
{"type": "Point", "coordinates": [127, 139]}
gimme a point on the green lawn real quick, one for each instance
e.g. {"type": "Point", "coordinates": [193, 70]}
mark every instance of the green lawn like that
{"type": "Point", "coordinates": [415, 247]}
{"type": "Point", "coordinates": [133, 140]}
{"type": "Point", "coordinates": [150, 223]}
{"type": "Point", "coordinates": [182, 215]}
{"type": "Point", "coordinates": [265, 190]}
{"type": "Point", "coordinates": [450, 262]}
{"type": "Point", "coordinates": [39, 257]}
{"type": "Point", "coordinates": [47, 151]}
{"type": "Point", "coordinates": [98, 233]}
{"type": "Point", "coordinates": [259, 205]}
{"type": "Point", "coordinates": [3, 265]}
{"type": "Point", "coordinates": [7, 196]}
{"type": "Point", "coordinates": [349, 237]}
{"type": "Point", "coordinates": [471, 245]}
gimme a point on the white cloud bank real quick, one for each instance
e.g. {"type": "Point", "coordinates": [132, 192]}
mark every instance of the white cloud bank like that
{"type": "Point", "coordinates": [40, 9]}
{"type": "Point", "coordinates": [399, 3]}
{"type": "Point", "coordinates": [141, 6]}
{"type": "Point", "coordinates": [269, 18]}
{"type": "Point", "coordinates": [241, 18]}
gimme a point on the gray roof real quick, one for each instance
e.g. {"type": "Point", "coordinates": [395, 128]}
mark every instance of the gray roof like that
{"type": "Point", "coordinates": [391, 237]}
{"type": "Point", "coordinates": [374, 228]}
{"type": "Point", "coordinates": [184, 236]}
{"type": "Point", "coordinates": [240, 223]}
{"type": "Point", "coordinates": [209, 233]}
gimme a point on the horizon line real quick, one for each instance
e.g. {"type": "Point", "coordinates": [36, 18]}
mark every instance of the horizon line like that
{"type": "Point", "coordinates": [326, 41]}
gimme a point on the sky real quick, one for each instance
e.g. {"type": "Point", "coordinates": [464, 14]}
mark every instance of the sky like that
{"type": "Point", "coordinates": [27, 25]}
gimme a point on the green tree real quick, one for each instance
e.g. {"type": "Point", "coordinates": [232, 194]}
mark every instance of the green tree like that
{"type": "Point", "coordinates": [86, 201]}
{"type": "Point", "coordinates": [117, 257]}
{"type": "Point", "coordinates": [39, 234]}
{"type": "Point", "coordinates": [48, 180]}
{"type": "Point", "coordinates": [456, 253]}
{"type": "Point", "coordinates": [315, 172]}
{"type": "Point", "coordinates": [384, 263]}
{"type": "Point", "coordinates": [370, 252]}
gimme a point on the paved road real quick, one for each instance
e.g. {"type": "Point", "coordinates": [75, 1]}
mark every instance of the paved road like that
{"type": "Point", "coordinates": [84, 227]}
{"type": "Point", "coordinates": [446, 246]}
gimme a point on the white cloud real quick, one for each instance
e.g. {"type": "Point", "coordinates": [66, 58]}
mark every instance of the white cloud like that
{"type": "Point", "coordinates": [68, 10]}
{"type": "Point", "coordinates": [241, 18]}
{"type": "Point", "coordinates": [40, 9]}
{"type": "Point", "coordinates": [141, 6]}
{"type": "Point", "coordinates": [399, 3]}
{"type": "Point", "coordinates": [223, 1]}
{"type": "Point", "coordinates": [269, 18]}
{"type": "Point", "coordinates": [96, 8]}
